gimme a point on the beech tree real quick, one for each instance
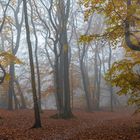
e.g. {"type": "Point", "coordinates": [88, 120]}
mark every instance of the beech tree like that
{"type": "Point", "coordinates": [1, 27]}
{"type": "Point", "coordinates": [125, 75]}
{"type": "Point", "coordinates": [37, 123]}
{"type": "Point", "coordinates": [57, 34]}
{"type": "Point", "coordinates": [122, 19]}
{"type": "Point", "coordinates": [14, 49]}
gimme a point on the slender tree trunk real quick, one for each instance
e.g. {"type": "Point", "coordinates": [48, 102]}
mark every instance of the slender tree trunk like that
{"type": "Point", "coordinates": [110, 86]}
{"type": "Point", "coordinates": [18, 25]}
{"type": "Point", "coordinates": [96, 73]}
{"type": "Point", "coordinates": [15, 101]}
{"type": "Point", "coordinates": [11, 90]}
{"type": "Point", "coordinates": [36, 59]}
{"type": "Point", "coordinates": [71, 86]}
{"type": "Point", "coordinates": [4, 74]}
{"type": "Point", "coordinates": [99, 87]}
{"type": "Point", "coordinates": [23, 104]}
{"type": "Point", "coordinates": [95, 88]}
{"type": "Point", "coordinates": [111, 98]}
{"type": "Point", "coordinates": [35, 100]}
{"type": "Point", "coordinates": [85, 84]}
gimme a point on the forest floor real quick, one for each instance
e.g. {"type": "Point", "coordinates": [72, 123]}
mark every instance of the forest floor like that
{"type": "Point", "coordinates": [15, 125]}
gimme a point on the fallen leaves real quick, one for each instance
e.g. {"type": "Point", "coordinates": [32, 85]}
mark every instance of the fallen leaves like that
{"type": "Point", "coordinates": [15, 125]}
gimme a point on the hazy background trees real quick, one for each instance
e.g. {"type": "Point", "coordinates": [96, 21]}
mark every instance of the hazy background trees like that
{"type": "Point", "coordinates": [65, 66]}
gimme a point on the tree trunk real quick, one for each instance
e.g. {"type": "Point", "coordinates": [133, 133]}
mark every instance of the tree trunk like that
{"type": "Point", "coordinates": [110, 86]}
{"type": "Point", "coordinates": [67, 106]}
{"type": "Point", "coordinates": [58, 86]}
{"type": "Point", "coordinates": [36, 60]}
{"type": "Point", "coordinates": [23, 104]}
{"type": "Point", "coordinates": [11, 90]}
{"type": "Point", "coordinates": [3, 74]}
{"type": "Point", "coordinates": [85, 85]}
{"type": "Point", "coordinates": [95, 92]}
{"type": "Point", "coordinates": [15, 101]}
{"type": "Point", "coordinates": [67, 113]}
{"type": "Point", "coordinates": [37, 123]}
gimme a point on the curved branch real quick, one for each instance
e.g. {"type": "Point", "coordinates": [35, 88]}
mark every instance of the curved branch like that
{"type": "Point", "coordinates": [4, 16]}
{"type": "Point", "coordinates": [128, 33]}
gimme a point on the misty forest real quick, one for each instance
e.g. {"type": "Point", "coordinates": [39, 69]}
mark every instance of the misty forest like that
{"type": "Point", "coordinates": [69, 69]}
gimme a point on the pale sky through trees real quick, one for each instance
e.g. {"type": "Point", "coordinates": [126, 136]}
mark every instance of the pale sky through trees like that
{"type": "Point", "coordinates": [76, 61]}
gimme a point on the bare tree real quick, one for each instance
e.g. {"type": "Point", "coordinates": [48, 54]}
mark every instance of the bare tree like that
{"type": "Point", "coordinates": [36, 57]}
{"type": "Point", "coordinates": [36, 108]}
{"type": "Point", "coordinates": [15, 47]}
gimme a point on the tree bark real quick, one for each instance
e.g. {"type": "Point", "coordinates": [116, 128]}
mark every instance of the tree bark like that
{"type": "Point", "coordinates": [11, 90]}
{"type": "Point", "coordinates": [128, 34]}
{"type": "Point", "coordinates": [4, 74]}
{"type": "Point", "coordinates": [36, 60]}
{"type": "Point", "coordinates": [23, 104]}
{"type": "Point", "coordinates": [37, 123]}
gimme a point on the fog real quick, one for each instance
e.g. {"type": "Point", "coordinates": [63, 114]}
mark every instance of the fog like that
{"type": "Point", "coordinates": [65, 56]}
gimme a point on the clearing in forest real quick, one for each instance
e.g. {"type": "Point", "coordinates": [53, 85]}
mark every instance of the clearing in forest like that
{"type": "Point", "coordinates": [15, 125]}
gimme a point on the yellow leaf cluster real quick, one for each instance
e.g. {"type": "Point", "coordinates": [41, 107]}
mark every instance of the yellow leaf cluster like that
{"type": "Point", "coordinates": [7, 59]}
{"type": "Point", "coordinates": [123, 74]}
{"type": "Point", "coordinates": [116, 13]}
{"type": "Point", "coordinates": [86, 38]}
